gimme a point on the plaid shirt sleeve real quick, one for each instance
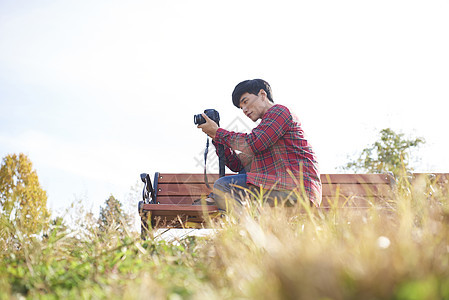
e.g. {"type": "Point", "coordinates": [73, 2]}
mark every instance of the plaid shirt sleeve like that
{"type": "Point", "coordinates": [272, 127]}
{"type": "Point", "coordinates": [235, 161]}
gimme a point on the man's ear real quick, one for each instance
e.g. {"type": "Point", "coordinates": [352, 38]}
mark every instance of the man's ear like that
{"type": "Point", "coordinates": [262, 93]}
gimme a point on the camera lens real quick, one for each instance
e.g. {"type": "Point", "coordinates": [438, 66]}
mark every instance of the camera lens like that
{"type": "Point", "coordinates": [198, 119]}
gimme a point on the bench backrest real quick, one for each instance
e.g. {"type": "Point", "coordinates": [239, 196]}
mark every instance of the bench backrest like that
{"type": "Point", "coordinates": [342, 190]}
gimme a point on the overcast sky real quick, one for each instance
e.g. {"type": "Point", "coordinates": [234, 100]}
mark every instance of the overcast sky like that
{"type": "Point", "coordinates": [96, 92]}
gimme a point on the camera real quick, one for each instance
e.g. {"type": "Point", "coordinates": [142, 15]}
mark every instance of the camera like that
{"type": "Point", "coordinates": [211, 113]}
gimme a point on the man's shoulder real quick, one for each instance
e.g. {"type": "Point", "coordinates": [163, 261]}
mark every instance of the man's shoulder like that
{"type": "Point", "coordinates": [284, 111]}
{"type": "Point", "coordinates": [279, 108]}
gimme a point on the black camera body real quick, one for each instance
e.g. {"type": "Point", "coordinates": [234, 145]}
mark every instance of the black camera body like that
{"type": "Point", "coordinates": [211, 113]}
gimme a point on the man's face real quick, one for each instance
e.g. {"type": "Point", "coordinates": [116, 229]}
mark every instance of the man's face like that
{"type": "Point", "coordinates": [252, 106]}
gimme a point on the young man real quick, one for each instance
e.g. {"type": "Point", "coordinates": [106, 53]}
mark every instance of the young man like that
{"type": "Point", "coordinates": [274, 158]}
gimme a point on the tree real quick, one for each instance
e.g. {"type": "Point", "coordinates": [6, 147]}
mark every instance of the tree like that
{"type": "Point", "coordinates": [112, 216]}
{"type": "Point", "coordinates": [391, 153]}
{"type": "Point", "coordinates": [22, 199]}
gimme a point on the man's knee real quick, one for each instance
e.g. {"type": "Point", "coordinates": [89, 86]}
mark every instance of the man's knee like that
{"type": "Point", "coordinates": [222, 185]}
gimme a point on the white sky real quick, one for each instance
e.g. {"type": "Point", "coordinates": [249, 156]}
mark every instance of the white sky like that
{"type": "Point", "coordinates": [96, 92]}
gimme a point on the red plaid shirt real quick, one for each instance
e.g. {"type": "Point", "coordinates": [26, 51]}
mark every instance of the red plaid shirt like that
{"type": "Point", "coordinates": [275, 154]}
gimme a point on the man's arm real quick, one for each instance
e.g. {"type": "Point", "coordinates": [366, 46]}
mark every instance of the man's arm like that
{"type": "Point", "coordinates": [233, 160]}
{"type": "Point", "coordinates": [210, 127]}
{"type": "Point", "coordinates": [272, 127]}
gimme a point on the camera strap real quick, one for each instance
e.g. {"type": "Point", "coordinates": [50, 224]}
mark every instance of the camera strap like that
{"type": "Point", "coordinates": [221, 161]}
{"type": "Point", "coordinates": [205, 162]}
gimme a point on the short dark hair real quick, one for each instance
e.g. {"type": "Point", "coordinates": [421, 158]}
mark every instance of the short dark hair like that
{"type": "Point", "coordinates": [252, 86]}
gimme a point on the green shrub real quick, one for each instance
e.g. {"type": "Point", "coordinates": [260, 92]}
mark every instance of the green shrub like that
{"type": "Point", "coordinates": [258, 253]}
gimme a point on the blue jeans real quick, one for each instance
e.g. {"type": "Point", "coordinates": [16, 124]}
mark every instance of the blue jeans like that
{"type": "Point", "coordinates": [235, 187]}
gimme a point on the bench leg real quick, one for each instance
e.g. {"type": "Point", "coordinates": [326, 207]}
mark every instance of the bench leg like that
{"type": "Point", "coordinates": [144, 226]}
{"type": "Point", "coordinates": [147, 223]}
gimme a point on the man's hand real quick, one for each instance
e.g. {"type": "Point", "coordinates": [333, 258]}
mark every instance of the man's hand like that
{"type": "Point", "coordinates": [210, 127]}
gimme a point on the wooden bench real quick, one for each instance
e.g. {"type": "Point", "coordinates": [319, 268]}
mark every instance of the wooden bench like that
{"type": "Point", "coordinates": [167, 203]}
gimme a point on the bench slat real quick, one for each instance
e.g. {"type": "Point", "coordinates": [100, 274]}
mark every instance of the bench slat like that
{"type": "Point", "coordinates": [354, 201]}
{"type": "Point", "coordinates": [347, 189]}
{"type": "Point", "coordinates": [174, 209]}
{"type": "Point", "coordinates": [440, 178]}
{"type": "Point", "coordinates": [187, 208]}
{"type": "Point", "coordinates": [173, 178]}
{"type": "Point", "coordinates": [356, 178]}
{"type": "Point", "coordinates": [198, 189]}
{"type": "Point", "coordinates": [180, 202]}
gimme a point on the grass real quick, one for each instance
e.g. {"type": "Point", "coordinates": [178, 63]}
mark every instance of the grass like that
{"type": "Point", "coordinates": [260, 253]}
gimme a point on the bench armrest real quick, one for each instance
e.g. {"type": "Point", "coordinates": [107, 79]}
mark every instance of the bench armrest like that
{"type": "Point", "coordinates": [148, 195]}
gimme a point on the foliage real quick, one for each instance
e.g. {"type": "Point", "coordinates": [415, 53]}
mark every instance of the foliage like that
{"type": "Point", "coordinates": [113, 217]}
{"type": "Point", "coordinates": [258, 253]}
{"type": "Point", "coordinates": [22, 199]}
{"type": "Point", "coordinates": [95, 265]}
{"type": "Point", "coordinates": [391, 153]}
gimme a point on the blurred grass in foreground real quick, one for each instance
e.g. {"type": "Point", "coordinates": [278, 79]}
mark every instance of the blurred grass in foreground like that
{"type": "Point", "coordinates": [261, 253]}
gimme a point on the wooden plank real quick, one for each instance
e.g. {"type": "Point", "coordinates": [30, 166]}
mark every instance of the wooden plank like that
{"type": "Point", "coordinates": [355, 201]}
{"type": "Point", "coordinates": [179, 208]}
{"type": "Point", "coordinates": [174, 221]}
{"type": "Point", "coordinates": [439, 178]}
{"type": "Point", "coordinates": [356, 189]}
{"type": "Point", "coordinates": [179, 200]}
{"type": "Point", "coordinates": [442, 178]}
{"type": "Point", "coordinates": [170, 189]}
{"type": "Point", "coordinates": [187, 178]}
{"type": "Point", "coordinates": [188, 200]}
{"type": "Point", "coordinates": [174, 213]}
{"type": "Point", "coordinates": [198, 190]}
{"type": "Point", "coordinates": [173, 210]}
{"type": "Point", "coordinates": [325, 178]}
{"type": "Point", "coordinates": [356, 178]}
